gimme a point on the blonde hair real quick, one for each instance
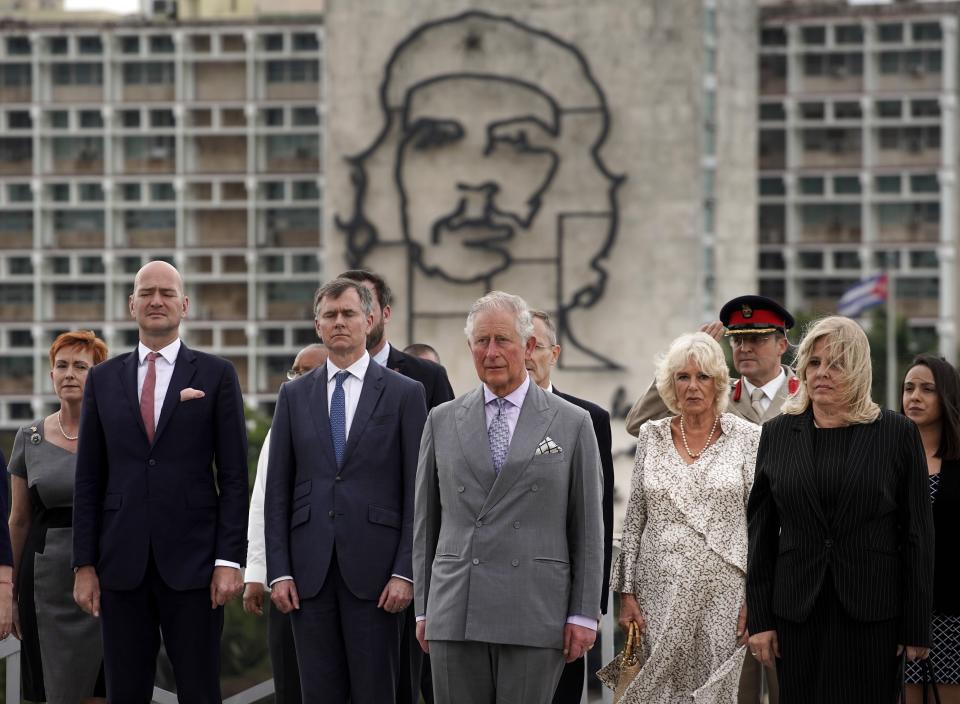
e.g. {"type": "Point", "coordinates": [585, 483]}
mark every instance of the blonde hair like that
{"type": "Point", "coordinates": [848, 350]}
{"type": "Point", "coordinates": [703, 351]}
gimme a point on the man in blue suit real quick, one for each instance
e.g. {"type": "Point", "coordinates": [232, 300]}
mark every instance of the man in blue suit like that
{"type": "Point", "coordinates": [160, 505]}
{"type": "Point", "coordinates": [339, 507]}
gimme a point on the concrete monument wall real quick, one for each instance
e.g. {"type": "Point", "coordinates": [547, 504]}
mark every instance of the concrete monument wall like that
{"type": "Point", "coordinates": [552, 149]}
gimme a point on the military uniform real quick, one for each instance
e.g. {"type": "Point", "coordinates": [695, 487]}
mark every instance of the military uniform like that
{"type": "Point", "coordinates": [745, 315]}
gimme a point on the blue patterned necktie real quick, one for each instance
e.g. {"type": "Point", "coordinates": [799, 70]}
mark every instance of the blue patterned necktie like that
{"type": "Point", "coordinates": [338, 418]}
{"type": "Point", "coordinates": [499, 435]}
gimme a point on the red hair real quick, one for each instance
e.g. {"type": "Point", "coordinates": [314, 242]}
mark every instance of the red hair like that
{"type": "Point", "coordinates": [82, 339]}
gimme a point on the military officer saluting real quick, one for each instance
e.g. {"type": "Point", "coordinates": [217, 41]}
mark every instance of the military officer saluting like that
{"type": "Point", "coordinates": [756, 327]}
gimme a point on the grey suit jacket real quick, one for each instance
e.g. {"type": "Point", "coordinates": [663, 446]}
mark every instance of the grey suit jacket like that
{"type": "Point", "coordinates": [507, 558]}
{"type": "Point", "coordinates": [651, 407]}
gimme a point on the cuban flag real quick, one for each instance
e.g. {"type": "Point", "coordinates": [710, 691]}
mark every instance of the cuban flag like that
{"type": "Point", "coordinates": [864, 295]}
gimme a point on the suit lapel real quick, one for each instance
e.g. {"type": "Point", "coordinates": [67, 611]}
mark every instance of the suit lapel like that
{"type": "Point", "coordinates": [321, 414]}
{"type": "Point", "coordinates": [128, 380]}
{"type": "Point", "coordinates": [395, 360]}
{"type": "Point", "coordinates": [535, 417]}
{"type": "Point", "coordinates": [183, 371]}
{"type": "Point", "coordinates": [743, 408]}
{"type": "Point", "coordinates": [780, 397]}
{"type": "Point", "coordinates": [370, 393]}
{"type": "Point", "coordinates": [472, 429]}
{"type": "Point", "coordinates": [803, 461]}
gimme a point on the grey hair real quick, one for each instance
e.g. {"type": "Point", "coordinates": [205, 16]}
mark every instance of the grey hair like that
{"type": "Point", "coordinates": [548, 324]}
{"type": "Point", "coordinates": [508, 303]}
{"type": "Point", "coordinates": [707, 355]}
{"type": "Point", "coordinates": [338, 287]}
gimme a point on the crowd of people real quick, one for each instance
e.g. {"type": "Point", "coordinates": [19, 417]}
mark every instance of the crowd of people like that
{"type": "Point", "coordinates": [778, 538]}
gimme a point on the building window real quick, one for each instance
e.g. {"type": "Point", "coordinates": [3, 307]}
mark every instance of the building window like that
{"type": "Point", "coordinates": [846, 185]}
{"type": "Point", "coordinates": [20, 338]}
{"type": "Point", "coordinates": [130, 192]}
{"type": "Point", "coordinates": [90, 45]}
{"type": "Point", "coordinates": [773, 288]}
{"type": "Point", "coordinates": [91, 265]}
{"type": "Point", "coordinates": [846, 260]}
{"type": "Point", "coordinates": [847, 110]}
{"type": "Point", "coordinates": [19, 193]}
{"type": "Point", "coordinates": [18, 46]}
{"type": "Point", "coordinates": [162, 192]}
{"type": "Point", "coordinates": [303, 117]}
{"type": "Point", "coordinates": [150, 220]}
{"type": "Point", "coordinates": [57, 45]}
{"type": "Point", "coordinates": [813, 65]}
{"type": "Point", "coordinates": [161, 118]}
{"type": "Point", "coordinates": [773, 36]}
{"type": "Point", "coordinates": [772, 261]}
{"type": "Point", "coordinates": [927, 32]}
{"type": "Point", "coordinates": [294, 71]}
{"type": "Point", "coordinates": [810, 260]}
{"type": "Point", "coordinates": [78, 293]}
{"type": "Point", "coordinates": [890, 33]}
{"type": "Point", "coordinates": [889, 62]}
{"type": "Point", "coordinates": [927, 287]}
{"type": "Point", "coordinates": [90, 192]}
{"type": "Point", "coordinates": [161, 44]}
{"type": "Point", "coordinates": [305, 190]}
{"type": "Point", "coordinates": [772, 186]}
{"type": "Point", "coordinates": [814, 36]}
{"type": "Point", "coordinates": [15, 75]}
{"type": "Point", "coordinates": [16, 150]}
{"type": "Point", "coordinates": [129, 45]}
{"type": "Point", "coordinates": [273, 42]}
{"type": "Point", "coordinates": [130, 118]}
{"type": "Point", "coordinates": [78, 220]}
{"type": "Point", "coordinates": [848, 34]}
{"type": "Point", "coordinates": [886, 184]}
{"type": "Point", "coordinates": [20, 266]}
{"type": "Point", "coordinates": [811, 185]}
{"type": "Point", "coordinates": [60, 192]}
{"type": "Point", "coordinates": [925, 108]}
{"type": "Point", "coordinates": [77, 74]}
{"type": "Point", "coordinates": [889, 108]}
{"type": "Point", "coordinates": [924, 183]}
{"type": "Point", "coordinates": [91, 119]}
{"type": "Point", "coordinates": [306, 41]}
{"type": "Point", "coordinates": [924, 259]}
{"type": "Point", "coordinates": [15, 221]}
{"type": "Point", "coordinates": [305, 263]}
{"type": "Point", "coordinates": [812, 111]}
{"type": "Point", "coordinates": [273, 117]}
{"type": "Point", "coordinates": [19, 120]}
{"type": "Point", "coordinates": [273, 190]}
{"type": "Point", "coordinates": [148, 73]}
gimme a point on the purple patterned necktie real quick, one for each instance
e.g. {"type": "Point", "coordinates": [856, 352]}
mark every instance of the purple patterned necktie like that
{"type": "Point", "coordinates": [499, 435]}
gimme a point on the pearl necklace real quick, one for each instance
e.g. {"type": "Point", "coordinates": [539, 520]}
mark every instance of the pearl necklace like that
{"type": "Point", "coordinates": [683, 436]}
{"type": "Point", "coordinates": [68, 437]}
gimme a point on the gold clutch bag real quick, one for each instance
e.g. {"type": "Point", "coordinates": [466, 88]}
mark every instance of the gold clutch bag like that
{"type": "Point", "coordinates": [621, 671]}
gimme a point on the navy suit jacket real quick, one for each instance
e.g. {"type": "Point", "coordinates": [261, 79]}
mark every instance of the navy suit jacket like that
{"type": "Point", "coordinates": [436, 384]}
{"type": "Point", "coordinates": [601, 428]}
{"type": "Point", "coordinates": [364, 511]}
{"type": "Point", "coordinates": [132, 497]}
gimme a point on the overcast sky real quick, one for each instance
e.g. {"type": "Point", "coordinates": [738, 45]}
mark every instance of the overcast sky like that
{"type": "Point", "coordinates": [111, 5]}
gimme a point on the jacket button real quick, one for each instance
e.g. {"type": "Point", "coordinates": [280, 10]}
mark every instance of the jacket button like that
{"type": "Point", "coordinates": [515, 562]}
{"type": "Point", "coordinates": [332, 514]}
{"type": "Point", "coordinates": [534, 488]}
{"type": "Point", "coordinates": [828, 543]}
{"type": "Point", "coordinates": [476, 561]}
{"type": "Point", "coordinates": [460, 489]}
{"type": "Point", "coordinates": [152, 462]}
{"type": "Point", "coordinates": [479, 523]}
{"type": "Point", "coordinates": [339, 478]}
{"type": "Point", "coordinates": [516, 524]}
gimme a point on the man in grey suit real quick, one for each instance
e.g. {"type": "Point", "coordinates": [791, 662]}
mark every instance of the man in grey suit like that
{"type": "Point", "coordinates": [508, 536]}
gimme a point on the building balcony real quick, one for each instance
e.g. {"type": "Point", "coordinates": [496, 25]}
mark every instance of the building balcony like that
{"type": "Point", "coordinates": [76, 94]}
{"type": "Point", "coordinates": [20, 167]}
{"type": "Point", "coordinates": [907, 232]}
{"type": "Point", "coordinates": [15, 94]}
{"type": "Point", "coordinates": [150, 165]}
{"type": "Point", "coordinates": [78, 311]}
{"type": "Point", "coordinates": [16, 239]}
{"type": "Point", "coordinates": [909, 82]}
{"type": "Point", "coordinates": [151, 92]}
{"type": "Point", "coordinates": [293, 238]}
{"type": "Point", "coordinates": [288, 310]}
{"type": "Point", "coordinates": [220, 154]}
{"type": "Point", "coordinates": [220, 302]}
{"type": "Point", "coordinates": [292, 91]}
{"type": "Point", "coordinates": [918, 307]}
{"type": "Point", "coordinates": [220, 228]}
{"type": "Point", "coordinates": [16, 311]}
{"type": "Point", "coordinates": [150, 239]}
{"type": "Point", "coordinates": [78, 239]}
{"type": "Point", "coordinates": [832, 84]}
{"type": "Point", "coordinates": [16, 384]}
{"type": "Point", "coordinates": [909, 157]}
{"type": "Point", "coordinates": [222, 81]}
{"type": "Point", "coordinates": [79, 166]}
{"type": "Point", "coordinates": [304, 163]}
{"type": "Point", "coordinates": [829, 233]}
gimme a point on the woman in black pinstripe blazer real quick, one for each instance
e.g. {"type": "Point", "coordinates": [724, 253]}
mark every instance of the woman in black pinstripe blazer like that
{"type": "Point", "coordinates": [930, 397]}
{"type": "Point", "coordinates": [840, 566]}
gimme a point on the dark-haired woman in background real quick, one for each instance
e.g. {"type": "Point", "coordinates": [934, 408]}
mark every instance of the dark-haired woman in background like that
{"type": "Point", "coordinates": [930, 397]}
{"type": "Point", "coordinates": [62, 651]}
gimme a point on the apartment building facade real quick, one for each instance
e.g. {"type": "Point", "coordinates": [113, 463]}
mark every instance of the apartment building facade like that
{"type": "Point", "coordinates": [857, 158]}
{"type": "Point", "coordinates": [125, 141]}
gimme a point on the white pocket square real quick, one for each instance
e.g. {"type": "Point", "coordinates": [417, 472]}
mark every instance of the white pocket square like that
{"type": "Point", "coordinates": [189, 394]}
{"type": "Point", "coordinates": [548, 447]}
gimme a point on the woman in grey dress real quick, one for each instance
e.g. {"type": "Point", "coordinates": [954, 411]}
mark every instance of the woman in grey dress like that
{"type": "Point", "coordinates": [62, 658]}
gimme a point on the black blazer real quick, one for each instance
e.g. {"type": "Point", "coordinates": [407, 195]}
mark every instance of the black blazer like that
{"type": "Point", "coordinates": [601, 427]}
{"type": "Point", "coordinates": [878, 547]}
{"type": "Point", "coordinates": [436, 385]}
{"type": "Point", "coordinates": [946, 522]}
{"type": "Point", "coordinates": [6, 553]}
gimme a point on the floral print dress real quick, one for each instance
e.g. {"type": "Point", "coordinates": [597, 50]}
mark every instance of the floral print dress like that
{"type": "Point", "coordinates": [684, 556]}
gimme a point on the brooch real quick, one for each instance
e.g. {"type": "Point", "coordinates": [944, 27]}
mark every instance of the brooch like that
{"type": "Point", "coordinates": [35, 438]}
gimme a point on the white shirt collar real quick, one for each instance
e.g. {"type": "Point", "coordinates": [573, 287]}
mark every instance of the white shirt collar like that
{"type": "Point", "coordinates": [169, 352]}
{"type": "Point", "coordinates": [769, 389]}
{"type": "Point", "coordinates": [357, 369]}
{"type": "Point", "coordinates": [515, 397]}
{"type": "Point", "coordinates": [381, 356]}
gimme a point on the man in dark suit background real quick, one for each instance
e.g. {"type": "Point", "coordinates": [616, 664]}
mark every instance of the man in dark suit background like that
{"type": "Point", "coordinates": [540, 364]}
{"type": "Point", "coordinates": [415, 676]}
{"type": "Point", "coordinates": [339, 507]}
{"type": "Point", "coordinates": [159, 534]}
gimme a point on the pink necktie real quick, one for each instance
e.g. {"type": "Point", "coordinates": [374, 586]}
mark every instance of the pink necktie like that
{"type": "Point", "coordinates": [146, 396]}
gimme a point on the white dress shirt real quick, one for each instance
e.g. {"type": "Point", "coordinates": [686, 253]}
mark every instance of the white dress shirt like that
{"type": "Point", "coordinates": [769, 389]}
{"type": "Point", "coordinates": [256, 570]}
{"type": "Point", "coordinates": [382, 356]}
{"type": "Point", "coordinates": [164, 364]}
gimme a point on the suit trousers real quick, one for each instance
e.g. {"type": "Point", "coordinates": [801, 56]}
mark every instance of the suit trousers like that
{"type": "Point", "coordinates": [751, 682]}
{"type": "Point", "coordinates": [412, 662]}
{"type": "Point", "coordinates": [283, 657]}
{"type": "Point", "coordinates": [471, 672]}
{"type": "Point", "coordinates": [132, 622]}
{"type": "Point", "coordinates": [570, 686]}
{"type": "Point", "coordinates": [833, 659]}
{"type": "Point", "coordinates": [348, 650]}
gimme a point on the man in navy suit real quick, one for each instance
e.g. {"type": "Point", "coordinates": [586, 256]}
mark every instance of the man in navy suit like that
{"type": "Point", "coordinates": [160, 505]}
{"type": "Point", "coordinates": [415, 675]}
{"type": "Point", "coordinates": [339, 507]}
{"type": "Point", "coordinates": [540, 364]}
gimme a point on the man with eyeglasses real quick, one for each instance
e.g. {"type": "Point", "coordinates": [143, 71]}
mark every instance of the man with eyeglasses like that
{"type": "Point", "coordinates": [756, 327]}
{"type": "Point", "coordinates": [283, 656]}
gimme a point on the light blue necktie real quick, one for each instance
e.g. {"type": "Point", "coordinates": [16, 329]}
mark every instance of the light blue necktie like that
{"type": "Point", "coordinates": [338, 418]}
{"type": "Point", "coordinates": [499, 435]}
